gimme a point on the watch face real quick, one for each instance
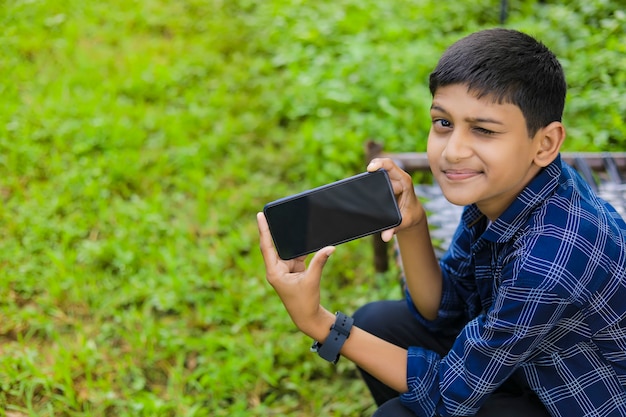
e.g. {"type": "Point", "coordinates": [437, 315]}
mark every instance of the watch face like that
{"type": "Point", "coordinates": [315, 347]}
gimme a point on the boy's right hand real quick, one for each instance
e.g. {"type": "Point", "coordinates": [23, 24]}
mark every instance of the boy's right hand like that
{"type": "Point", "coordinates": [412, 211]}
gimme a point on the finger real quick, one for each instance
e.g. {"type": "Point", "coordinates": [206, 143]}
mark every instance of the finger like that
{"type": "Point", "coordinates": [387, 235]}
{"type": "Point", "coordinates": [319, 260]}
{"type": "Point", "coordinates": [385, 163]}
{"type": "Point", "coordinates": [374, 165]}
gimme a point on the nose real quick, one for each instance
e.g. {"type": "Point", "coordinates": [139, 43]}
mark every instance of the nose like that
{"type": "Point", "coordinates": [457, 146]}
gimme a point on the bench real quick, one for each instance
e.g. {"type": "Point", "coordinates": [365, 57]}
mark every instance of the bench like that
{"type": "Point", "coordinates": [604, 171]}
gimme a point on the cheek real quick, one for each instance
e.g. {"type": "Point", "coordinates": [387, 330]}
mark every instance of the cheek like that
{"type": "Point", "coordinates": [506, 163]}
{"type": "Point", "coordinates": [433, 149]}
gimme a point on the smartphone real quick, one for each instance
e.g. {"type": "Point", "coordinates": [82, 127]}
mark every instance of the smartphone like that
{"type": "Point", "coordinates": [332, 214]}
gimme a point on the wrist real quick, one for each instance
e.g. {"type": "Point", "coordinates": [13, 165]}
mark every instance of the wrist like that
{"type": "Point", "coordinates": [416, 228]}
{"type": "Point", "coordinates": [318, 326]}
{"type": "Point", "coordinates": [338, 334]}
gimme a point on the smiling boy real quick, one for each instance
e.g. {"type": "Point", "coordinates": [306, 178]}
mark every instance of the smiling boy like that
{"type": "Point", "coordinates": [524, 314]}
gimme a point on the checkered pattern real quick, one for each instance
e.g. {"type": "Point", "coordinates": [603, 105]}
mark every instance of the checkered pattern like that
{"type": "Point", "coordinates": [541, 293]}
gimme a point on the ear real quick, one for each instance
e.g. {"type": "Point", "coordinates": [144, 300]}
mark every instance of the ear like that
{"type": "Point", "coordinates": [549, 140]}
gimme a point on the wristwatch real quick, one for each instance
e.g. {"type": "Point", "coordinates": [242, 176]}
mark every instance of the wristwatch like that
{"type": "Point", "coordinates": [339, 332]}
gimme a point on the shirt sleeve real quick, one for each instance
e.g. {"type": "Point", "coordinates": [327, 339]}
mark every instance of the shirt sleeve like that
{"type": "Point", "coordinates": [487, 351]}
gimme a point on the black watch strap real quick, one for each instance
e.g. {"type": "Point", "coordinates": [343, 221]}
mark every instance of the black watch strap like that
{"type": "Point", "coordinates": [339, 332]}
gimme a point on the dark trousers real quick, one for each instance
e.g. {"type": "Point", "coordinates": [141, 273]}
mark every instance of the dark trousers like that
{"type": "Point", "coordinates": [393, 321]}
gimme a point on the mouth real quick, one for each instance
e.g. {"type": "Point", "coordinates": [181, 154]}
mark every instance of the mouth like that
{"type": "Point", "coordinates": [460, 174]}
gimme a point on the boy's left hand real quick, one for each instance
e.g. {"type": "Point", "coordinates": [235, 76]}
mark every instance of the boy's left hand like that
{"type": "Point", "coordinates": [297, 286]}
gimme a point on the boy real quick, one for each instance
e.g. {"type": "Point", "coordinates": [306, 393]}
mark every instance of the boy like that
{"type": "Point", "coordinates": [524, 314]}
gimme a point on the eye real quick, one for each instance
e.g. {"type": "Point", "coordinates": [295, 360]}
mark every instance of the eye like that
{"type": "Point", "coordinates": [442, 123]}
{"type": "Point", "coordinates": [484, 131]}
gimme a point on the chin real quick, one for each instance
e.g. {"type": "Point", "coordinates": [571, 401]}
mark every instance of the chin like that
{"type": "Point", "coordinates": [458, 200]}
{"type": "Point", "coordinates": [459, 196]}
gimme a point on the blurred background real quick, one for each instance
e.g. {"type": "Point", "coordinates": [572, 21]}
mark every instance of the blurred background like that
{"type": "Point", "coordinates": [139, 138]}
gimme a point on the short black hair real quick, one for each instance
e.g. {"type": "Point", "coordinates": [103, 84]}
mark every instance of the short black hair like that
{"type": "Point", "coordinates": [510, 67]}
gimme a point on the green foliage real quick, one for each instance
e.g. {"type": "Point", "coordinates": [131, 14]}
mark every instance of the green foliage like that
{"type": "Point", "coordinates": [137, 141]}
{"type": "Point", "coordinates": [590, 40]}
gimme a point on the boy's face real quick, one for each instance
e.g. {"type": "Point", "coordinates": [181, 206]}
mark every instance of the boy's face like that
{"type": "Point", "coordinates": [479, 151]}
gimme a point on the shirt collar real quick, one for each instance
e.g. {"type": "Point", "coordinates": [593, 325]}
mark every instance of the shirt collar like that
{"type": "Point", "coordinates": [536, 192]}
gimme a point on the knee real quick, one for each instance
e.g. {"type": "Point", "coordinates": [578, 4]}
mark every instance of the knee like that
{"type": "Point", "coordinates": [393, 408]}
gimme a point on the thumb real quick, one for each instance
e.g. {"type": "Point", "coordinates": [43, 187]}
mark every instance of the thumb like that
{"type": "Point", "coordinates": [387, 235]}
{"type": "Point", "coordinates": [319, 260]}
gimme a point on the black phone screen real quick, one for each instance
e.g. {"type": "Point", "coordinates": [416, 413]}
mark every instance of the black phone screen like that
{"type": "Point", "coordinates": [332, 214]}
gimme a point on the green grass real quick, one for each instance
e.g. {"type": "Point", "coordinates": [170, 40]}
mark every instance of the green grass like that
{"type": "Point", "coordinates": [139, 138]}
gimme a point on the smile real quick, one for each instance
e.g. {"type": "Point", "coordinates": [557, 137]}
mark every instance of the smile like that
{"type": "Point", "coordinates": [460, 174]}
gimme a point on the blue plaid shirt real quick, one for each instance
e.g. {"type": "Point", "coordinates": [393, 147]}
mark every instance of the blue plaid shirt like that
{"type": "Point", "coordinates": [540, 294]}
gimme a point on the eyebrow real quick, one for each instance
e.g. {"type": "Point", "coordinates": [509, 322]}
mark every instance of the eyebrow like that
{"type": "Point", "coordinates": [469, 119]}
